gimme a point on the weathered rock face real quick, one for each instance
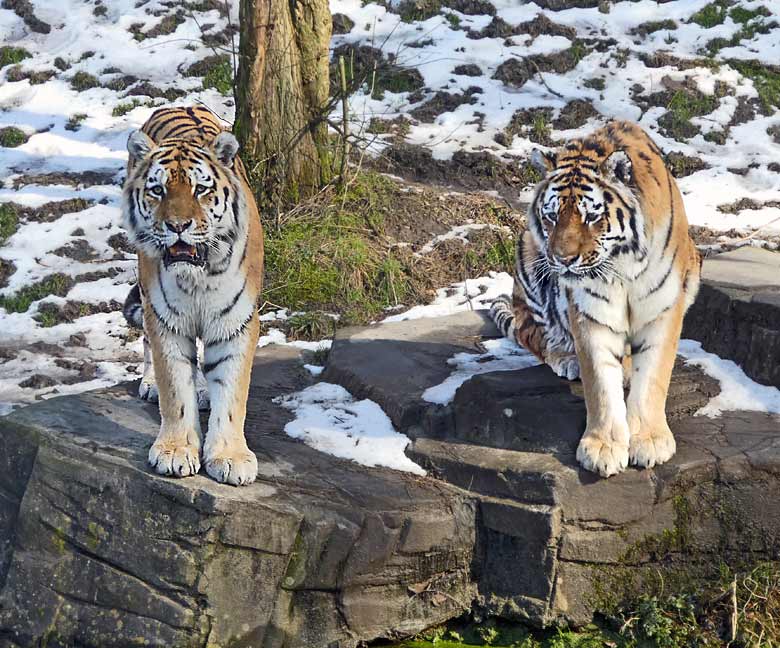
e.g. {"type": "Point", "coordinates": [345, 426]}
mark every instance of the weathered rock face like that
{"type": "Point", "coordinates": [95, 550]}
{"type": "Point", "coordinates": [98, 551]}
{"type": "Point", "coordinates": [550, 536]}
{"type": "Point", "coordinates": [737, 313]}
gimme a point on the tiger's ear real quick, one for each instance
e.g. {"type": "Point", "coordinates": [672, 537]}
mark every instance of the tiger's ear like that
{"type": "Point", "coordinates": [225, 148]}
{"type": "Point", "coordinates": [139, 144]}
{"type": "Point", "coordinates": [543, 161]}
{"type": "Point", "coordinates": [618, 167]}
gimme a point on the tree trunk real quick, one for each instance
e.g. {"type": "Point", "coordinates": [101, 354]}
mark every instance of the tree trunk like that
{"type": "Point", "coordinates": [281, 91]}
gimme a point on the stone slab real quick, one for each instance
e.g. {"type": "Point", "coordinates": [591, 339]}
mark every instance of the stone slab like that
{"type": "Point", "coordinates": [320, 552]}
{"type": "Point", "coordinates": [737, 313]}
{"type": "Point", "coordinates": [547, 529]}
{"type": "Point", "coordinates": [97, 550]}
{"type": "Point", "coordinates": [394, 363]}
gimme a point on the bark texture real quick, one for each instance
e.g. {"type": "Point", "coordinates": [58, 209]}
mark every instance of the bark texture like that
{"type": "Point", "coordinates": [281, 90]}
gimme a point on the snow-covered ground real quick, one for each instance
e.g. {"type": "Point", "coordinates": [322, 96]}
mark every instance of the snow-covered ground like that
{"type": "Point", "coordinates": [106, 64]}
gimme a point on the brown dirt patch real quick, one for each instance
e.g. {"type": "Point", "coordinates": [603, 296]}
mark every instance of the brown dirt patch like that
{"type": "Point", "coordinates": [746, 203]}
{"type": "Point", "coordinates": [574, 115]}
{"type": "Point", "coordinates": [54, 314]}
{"type": "Point", "coordinates": [200, 68]}
{"type": "Point", "coordinates": [25, 10]}
{"type": "Point", "coordinates": [78, 250]}
{"type": "Point", "coordinates": [83, 179]}
{"type": "Point", "coordinates": [515, 72]}
{"type": "Point", "coordinates": [51, 211]}
{"type": "Point", "coordinates": [369, 65]}
{"type": "Point", "coordinates": [682, 165]}
{"type": "Point", "coordinates": [471, 69]}
{"type": "Point", "coordinates": [342, 24]}
{"type": "Point", "coordinates": [468, 171]}
{"type": "Point", "coordinates": [443, 102]}
{"type": "Point", "coordinates": [7, 268]}
{"type": "Point", "coordinates": [146, 89]}
{"type": "Point", "coordinates": [120, 243]}
{"type": "Point", "coordinates": [471, 7]}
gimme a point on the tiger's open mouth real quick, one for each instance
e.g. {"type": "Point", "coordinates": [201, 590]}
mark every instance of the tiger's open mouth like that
{"type": "Point", "coordinates": [183, 252]}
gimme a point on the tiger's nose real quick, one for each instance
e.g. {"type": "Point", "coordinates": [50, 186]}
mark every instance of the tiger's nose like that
{"type": "Point", "coordinates": [177, 226]}
{"type": "Point", "coordinates": [567, 260]}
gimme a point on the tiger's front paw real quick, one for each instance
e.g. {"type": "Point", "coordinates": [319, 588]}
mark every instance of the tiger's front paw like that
{"type": "Point", "coordinates": [651, 446]}
{"type": "Point", "coordinates": [236, 465]}
{"type": "Point", "coordinates": [174, 459]}
{"type": "Point", "coordinates": [604, 453]}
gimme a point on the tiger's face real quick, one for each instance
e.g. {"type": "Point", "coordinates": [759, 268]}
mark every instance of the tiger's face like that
{"type": "Point", "coordinates": [584, 215]}
{"type": "Point", "coordinates": [180, 199]}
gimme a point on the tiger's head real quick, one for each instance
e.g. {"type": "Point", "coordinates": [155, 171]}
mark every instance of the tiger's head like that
{"type": "Point", "coordinates": [182, 199]}
{"type": "Point", "coordinates": [584, 214]}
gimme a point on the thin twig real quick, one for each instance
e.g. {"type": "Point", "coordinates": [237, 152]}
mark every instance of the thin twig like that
{"type": "Point", "coordinates": [541, 78]}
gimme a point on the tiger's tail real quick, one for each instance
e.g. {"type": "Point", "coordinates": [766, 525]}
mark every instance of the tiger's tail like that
{"type": "Point", "coordinates": [503, 316]}
{"type": "Point", "coordinates": [133, 310]}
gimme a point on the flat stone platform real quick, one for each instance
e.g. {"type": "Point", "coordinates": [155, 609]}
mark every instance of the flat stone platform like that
{"type": "Point", "coordinates": [320, 552]}
{"type": "Point", "coordinates": [737, 312]}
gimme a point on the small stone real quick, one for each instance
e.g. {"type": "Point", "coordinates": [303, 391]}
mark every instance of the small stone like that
{"type": "Point", "coordinates": [38, 381]}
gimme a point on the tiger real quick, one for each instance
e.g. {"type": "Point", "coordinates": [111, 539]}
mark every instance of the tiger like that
{"type": "Point", "coordinates": [188, 210]}
{"type": "Point", "coordinates": [604, 274]}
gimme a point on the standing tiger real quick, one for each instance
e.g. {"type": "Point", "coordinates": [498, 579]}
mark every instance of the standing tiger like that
{"type": "Point", "coordinates": [189, 211]}
{"type": "Point", "coordinates": [607, 270]}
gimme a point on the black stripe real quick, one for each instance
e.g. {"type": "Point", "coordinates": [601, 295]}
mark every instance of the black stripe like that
{"type": "Point", "coordinates": [131, 204]}
{"type": "Point", "coordinates": [165, 299]}
{"type": "Point", "coordinates": [660, 284]}
{"type": "Point", "coordinates": [229, 308]}
{"type": "Point", "coordinates": [597, 295]}
{"type": "Point", "coordinates": [671, 212]}
{"type": "Point", "coordinates": [155, 131]}
{"type": "Point", "coordinates": [590, 318]}
{"type": "Point", "coordinates": [210, 366]}
{"type": "Point", "coordinates": [179, 130]}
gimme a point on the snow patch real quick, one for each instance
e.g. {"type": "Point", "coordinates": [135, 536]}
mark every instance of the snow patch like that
{"type": "Point", "coordinates": [501, 355]}
{"type": "Point", "coordinates": [738, 392]}
{"type": "Point", "coordinates": [329, 419]}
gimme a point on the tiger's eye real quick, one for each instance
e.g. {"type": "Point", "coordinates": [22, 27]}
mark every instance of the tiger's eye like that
{"type": "Point", "coordinates": [200, 189]}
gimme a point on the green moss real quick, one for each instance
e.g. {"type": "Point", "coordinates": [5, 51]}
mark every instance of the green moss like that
{"type": "Point", "coordinates": [56, 284]}
{"type": "Point", "coordinates": [742, 15]}
{"type": "Point", "coordinates": [220, 77]}
{"type": "Point", "coordinates": [711, 15]}
{"type": "Point", "coordinates": [74, 121]}
{"type": "Point", "coordinates": [83, 81]}
{"type": "Point", "coordinates": [653, 26]}
{"type": "Point", "coordinates": [682, 107]}
{"type": "Point", "coordinates": [124, 108]}
{"type": "Point", "coordinates": [595, 83]}
{"type": "Point", "coordinates": [416, 10]}
{"type": "Point", "coordinates": [11, 55]}
{"type": "Point", "coordinates": [766, 79]}
{"type": "Point", "coordinates": [11, 137]}
{"type": "Point", "coordinates": [58, 540]}
{"type": "Point", "coordinates": [748, 31]}
{"type": "Point", "coordinates": [9, 222]}
{"type": "Point", "coordinates": [453, 19]}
